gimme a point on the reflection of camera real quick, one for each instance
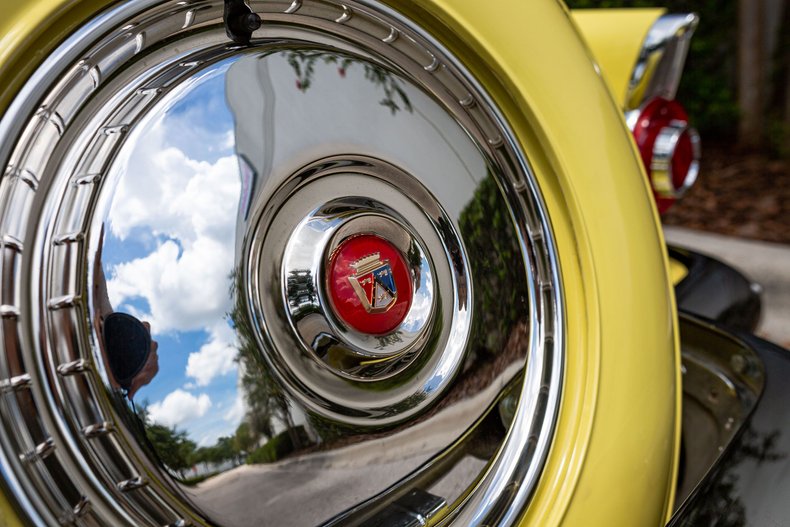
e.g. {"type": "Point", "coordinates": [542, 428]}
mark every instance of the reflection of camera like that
{"type": "Point", "coordinates": [128, 344]}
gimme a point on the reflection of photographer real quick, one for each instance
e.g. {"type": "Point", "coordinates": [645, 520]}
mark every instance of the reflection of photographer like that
{"type": "Point", "coordinates": [125, 342]}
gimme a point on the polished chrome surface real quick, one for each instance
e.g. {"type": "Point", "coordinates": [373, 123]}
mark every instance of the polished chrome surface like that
{"type": "Point", "coordinates": [322, 231]}
{"type": "Point", "coordinates": [661, 175]}
{"type": "Point", "coordinates": [150, 165]}
{"type": "Point", "coordinates": [660, 64]}
{"type": "Point", "coordinates": [317, 208]}
{"type": "Point", "coordinates": [306, 257]}
{"type": "Point", "coordinates": [723, 379]}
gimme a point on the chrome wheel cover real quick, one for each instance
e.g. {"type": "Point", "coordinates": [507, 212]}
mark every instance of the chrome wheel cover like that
{"type": "Point", "coordinates": [481, 365]}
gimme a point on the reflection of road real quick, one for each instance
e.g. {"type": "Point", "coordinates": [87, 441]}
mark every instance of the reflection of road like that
{"type": "Point", "coordinates": [313, 484]}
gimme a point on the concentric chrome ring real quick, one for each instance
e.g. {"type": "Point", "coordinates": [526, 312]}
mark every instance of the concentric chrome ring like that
{"type": "Point", "coordinates": [333, 201]}
{"type": "Point", "coordinates": [73, 449]}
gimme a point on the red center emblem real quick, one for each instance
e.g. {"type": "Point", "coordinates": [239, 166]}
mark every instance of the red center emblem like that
{"type": "Point", "coordinates": [369, 284]}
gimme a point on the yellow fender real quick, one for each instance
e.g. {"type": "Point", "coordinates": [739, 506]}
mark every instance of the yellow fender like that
{"type": "Point", "coordinates": [615, 37]}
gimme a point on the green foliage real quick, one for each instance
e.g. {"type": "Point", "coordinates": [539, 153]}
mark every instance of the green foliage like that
{"type": "Point", "coordinates": [266, 401]}
{"type": "Point", "coordinates": [179, 453]}
{"type": "Point", "coordinates": [223, 450]}
{"type": "Point", "coordinates": [174, 448]}
{"type": "Point", "coordinates": [497, 269]}
{"type": "Point", "coordinates": [303, 64]}
{"type": "Point", "coordinates": [191, 482]}
{"type": "Point", "coordinates": [277, 447]}
{"type": "Point", "coordinates": [245, 438]}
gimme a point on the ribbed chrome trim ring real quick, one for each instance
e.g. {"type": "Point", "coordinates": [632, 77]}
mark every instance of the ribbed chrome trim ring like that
{"type": "Point", "coordinates": [64, 456]}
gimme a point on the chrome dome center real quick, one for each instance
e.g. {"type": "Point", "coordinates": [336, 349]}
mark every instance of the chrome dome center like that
{"type": "Point", "coordinates": [362, 268]}
{"type": "Point", "coordinates": [368, 282]}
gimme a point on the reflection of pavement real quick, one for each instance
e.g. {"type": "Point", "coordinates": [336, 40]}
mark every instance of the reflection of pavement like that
{"type": "Point", "coordinates": [323, 484]}
{"type": "Point", "coordinates": [768, 264]}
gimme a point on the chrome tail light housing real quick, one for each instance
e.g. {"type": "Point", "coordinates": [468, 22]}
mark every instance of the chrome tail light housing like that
{"type": "Point", "coordinates": [668, 144]}
{"type": "Point", "coordinates": [670, 149]}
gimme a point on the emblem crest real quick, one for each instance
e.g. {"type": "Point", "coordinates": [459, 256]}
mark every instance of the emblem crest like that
{"type": "Point", "coordinates": [373, 283]}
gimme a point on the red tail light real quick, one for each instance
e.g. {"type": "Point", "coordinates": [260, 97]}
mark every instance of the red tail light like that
{"type": "Point", "coordinates": [670, 149]}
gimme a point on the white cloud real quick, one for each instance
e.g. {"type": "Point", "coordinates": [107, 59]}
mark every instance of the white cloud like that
{"type": "Point", "coordinates": [237, 411]}
{"type": "Point", "coordinates": [227, 412]}
{"type": "Point", "coordinates": [215, 357]}
{"type": "Point", "coordinates": [185, 279]}
{"type": "Point", "coordinates": [177, 199]}
{"type": "Point", "coordinates": [185, 290]}
{"type": "Point", "coordinates": [229, 141]}
{"type": "Point", "coordinates": [164, 190]}
{"type": "Point", "coordinates": [179, 407]}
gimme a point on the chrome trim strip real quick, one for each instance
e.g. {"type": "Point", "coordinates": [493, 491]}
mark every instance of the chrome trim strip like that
{"type": "Point", "coordinates": [16, 383]}
{"type": "Point", "coordinates": [9, 312]}
{"type": "Point", "coordinates": [131, 484]}
{"type": "Point", "coordinates": [662, 177]}
{"type": "Point", "coordinates": [294, 7]}
{"type": "Point", "coordinates": [82, 507]}
{"type": "Point", "coordinates": [346, 16]}
{"type": "Point", "coordinates": [42, 451]}
{"type": "Point", "coordinates": [392, 37]}
{"type": "Point", "coordinates": [27, 177]}
{"type": "Point", "coordinates": [73, 368]}
{"type": "Point", "coordinates": [659, 67]}
{"type": "Point", "coordinates": [62, 302]}
{"type": "Point", "coordinates": [97, 430]}
{"type": "Point", "coordinates": [12, 243]}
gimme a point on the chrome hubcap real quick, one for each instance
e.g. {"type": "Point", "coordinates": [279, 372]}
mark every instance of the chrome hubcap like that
{"type": "Point", "coordinates": [312, 344]}
{"type": "Point", "coordinates": [343, 124]}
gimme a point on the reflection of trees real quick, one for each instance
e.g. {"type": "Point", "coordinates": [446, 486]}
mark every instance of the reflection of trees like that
{"type": "Point", "coordinates": [267, 404]}
{"type": "Point", "coordinates": [245, 438]}
{"type": "Point", "coordinates": [225, 448]}
{"type": "Point", "coordinates": [500, 335]}
{"type": "Point", "coordinates": [497, 270]}
{"type": "Point", "coordinates": [299, 287]}
{"type": "Point", "coordinates": [172, 446]}
{"type": "Point", "coordinates": [384, 341]}
{"type": "Point", "coordinates": [266, 401]}
{"type": "Point", "coordinates": [720, 504]}
{"type": "Point", "coordinates": [303, 64]}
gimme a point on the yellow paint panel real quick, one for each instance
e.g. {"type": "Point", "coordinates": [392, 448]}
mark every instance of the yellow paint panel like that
{"type": "Point", "coordinates": [677, 271]}
{"type": "Point", "coordinates": [29, 31]}
{"type": "Point", "coordinates": [8, 516]}
{"type": "Point", "coordinates": [615, 37]}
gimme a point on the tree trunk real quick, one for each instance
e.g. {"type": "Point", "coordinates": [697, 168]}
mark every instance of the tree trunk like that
{"type": "Point", "coordinates": [751, 73]}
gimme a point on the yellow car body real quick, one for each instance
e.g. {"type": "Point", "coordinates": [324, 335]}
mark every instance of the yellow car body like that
{"type": "Point", "coordinates": [614, 455]}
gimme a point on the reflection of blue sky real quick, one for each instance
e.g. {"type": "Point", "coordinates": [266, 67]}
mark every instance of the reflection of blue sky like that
{"type": "Point", "coordinates": [202, 123]}
{"type": "Point", "coordinates": [170, 236]}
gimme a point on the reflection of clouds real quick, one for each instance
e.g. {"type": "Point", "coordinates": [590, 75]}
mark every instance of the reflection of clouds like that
{"type": "Point", "coordinates": [215, 357]}
{"type": "Point", "coordinates": [193, 204]}
{"type": "Point", "coordinates": [173, 216]}
{"type": "Point", "coordinates": [185, 291]}
{"type": "Point", "coordinates": [170, 193]}
{"type": "Point", "coordinates": [227, 411]}
{"type": "Point", "coordinates": [237, 411]}
{"type": "Point", "coordinates": [178, 407]}
{"type": "Point", "coordinates": [422, 301]}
